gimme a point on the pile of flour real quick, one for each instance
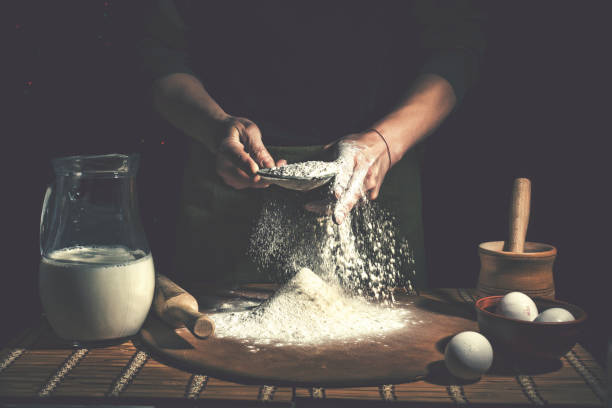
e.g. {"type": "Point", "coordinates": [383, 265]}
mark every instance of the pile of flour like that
{"type": "Point", "coordinates": [309, 311]}
{"type": "Point", "coordinates": [307, 170]}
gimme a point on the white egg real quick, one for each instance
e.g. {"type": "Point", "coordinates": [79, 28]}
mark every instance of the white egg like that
{"type": "Point", "coordinates": [468, 355]}
{"type": "Point", "coordinates": [555, 314]}
{"type": "Point", "coordinates": [517, 305]}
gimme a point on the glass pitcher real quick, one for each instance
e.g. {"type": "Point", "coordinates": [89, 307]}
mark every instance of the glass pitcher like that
{"type": "Point", "coordinates": [96, 276]}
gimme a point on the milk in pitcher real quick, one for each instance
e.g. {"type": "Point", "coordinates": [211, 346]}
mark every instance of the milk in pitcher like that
{"type": "Point", "coordinates": [96, 293]}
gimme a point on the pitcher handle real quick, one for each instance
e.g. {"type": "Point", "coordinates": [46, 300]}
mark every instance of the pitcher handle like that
{"type": "Point", "coordinates": [43, 217]}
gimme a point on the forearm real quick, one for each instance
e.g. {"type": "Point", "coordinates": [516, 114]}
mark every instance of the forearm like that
{"type": "Point", "coordinates": [422, 109]}
{"type": "Point", "coordinates": [183, 101]}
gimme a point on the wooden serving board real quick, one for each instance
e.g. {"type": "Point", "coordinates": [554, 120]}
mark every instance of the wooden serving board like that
{"type": "Point", "coordinates": [407, 354]}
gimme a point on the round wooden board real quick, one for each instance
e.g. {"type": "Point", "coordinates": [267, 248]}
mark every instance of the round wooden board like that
{"type": "Point", "coordinates": [402, 356]}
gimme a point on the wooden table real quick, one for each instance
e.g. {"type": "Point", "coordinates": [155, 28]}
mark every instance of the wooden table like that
{"type": "Point", "coordinates": [37, 367]}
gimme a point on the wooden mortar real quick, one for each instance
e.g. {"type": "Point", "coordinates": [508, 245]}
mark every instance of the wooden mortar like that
{"type": "Point", "coordinates": [516, 265]}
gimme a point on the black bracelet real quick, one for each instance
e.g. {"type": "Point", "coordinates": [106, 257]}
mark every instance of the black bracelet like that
{"type": "Point", "coordinates": [384, 140]}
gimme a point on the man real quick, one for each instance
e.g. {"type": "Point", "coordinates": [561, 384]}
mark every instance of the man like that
{"type": "Point", "coordinates": [258, 83]}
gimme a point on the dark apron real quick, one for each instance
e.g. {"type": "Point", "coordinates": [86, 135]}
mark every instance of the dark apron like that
{"type": "Point", "coordinates": [215, 221]}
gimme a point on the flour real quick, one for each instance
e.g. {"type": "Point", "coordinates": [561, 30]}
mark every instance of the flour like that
{"type": "Point", "coordinates": [339, 278]}
{"type": "Point", "coordinates": [309, 311]}
{"type": "Point", "coordinates": [366, 254]}
{"type": "Point", "coordinates": [307, 170]}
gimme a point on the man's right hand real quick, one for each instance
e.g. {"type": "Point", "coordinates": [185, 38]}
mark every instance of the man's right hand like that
{"type": "Point", "coordinates": [241, 153]}
{"type": "Point", "coordinates": [236, 142]}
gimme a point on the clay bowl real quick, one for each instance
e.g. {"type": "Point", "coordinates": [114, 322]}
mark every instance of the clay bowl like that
{"type": "Point", "coordinates": [522, 339]}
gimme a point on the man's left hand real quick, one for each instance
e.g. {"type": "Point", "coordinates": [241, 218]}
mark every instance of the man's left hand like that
{"type": "Point", "coordinates": [363, 163]}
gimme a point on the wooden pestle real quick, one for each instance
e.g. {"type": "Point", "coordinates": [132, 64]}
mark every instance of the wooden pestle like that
{"type": "Point", "coordinates": [519, 215]}
{"type": "Point", "coordinates": [178, 308]}
{"type": "Point", "coordinates": [516, 265]}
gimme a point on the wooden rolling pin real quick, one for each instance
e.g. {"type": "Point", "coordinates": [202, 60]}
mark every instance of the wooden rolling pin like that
{"type": "Point", "coordinates": [519, 215]}
{"type": "Point", "coordinates": [178, 308]}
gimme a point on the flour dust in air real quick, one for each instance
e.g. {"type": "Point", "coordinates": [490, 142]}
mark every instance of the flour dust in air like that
{"type": "Point", "coordinates": [366, 255]}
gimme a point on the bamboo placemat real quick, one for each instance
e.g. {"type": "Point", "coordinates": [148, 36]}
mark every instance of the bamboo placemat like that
{"type": "Point", "coordinates": [38, 367]}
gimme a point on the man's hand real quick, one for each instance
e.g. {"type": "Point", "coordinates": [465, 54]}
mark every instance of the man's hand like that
{"type": "Point", "coordinates": [241, 153]}
{"type": "Point", "coordinates": [363, 163]}
{"type": "Point", "coordinates": [236, 142]}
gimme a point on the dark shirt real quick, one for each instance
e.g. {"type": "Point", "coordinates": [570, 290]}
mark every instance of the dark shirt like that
{"type": "Point", "coordinates": [310, 72]}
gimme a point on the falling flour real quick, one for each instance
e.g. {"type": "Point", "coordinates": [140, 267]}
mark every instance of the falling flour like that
{"type": "Point", "coordinates": [366, 254]}
{"type": "Point", "coordinates": [339, 279]}
{"type": "Point", "coordinates": [310, 311]}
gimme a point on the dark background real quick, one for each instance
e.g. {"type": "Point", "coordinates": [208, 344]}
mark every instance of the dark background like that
{"type": "Point", "coordinates": [540, 110]}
